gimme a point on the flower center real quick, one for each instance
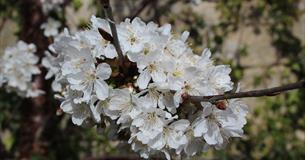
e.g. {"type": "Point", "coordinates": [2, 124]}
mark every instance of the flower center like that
{"type": "Point", "coordinates": [151, 116]}
{"type": "Point", "coordinates": [152, 67]}
{"type": "Point", "coordinates": [132, 39]}
{"type": "Point", "coordinates": [91, 76]}
{"type": "Point", "coordinates": [146, 51]}
{"type": "Point", "coordinates": [177, 73]}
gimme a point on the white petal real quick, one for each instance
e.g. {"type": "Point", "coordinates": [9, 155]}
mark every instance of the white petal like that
{"type": "Point", "coordinates": [133, 57]}
{"type": "Point", "coordinates": [200, 128]}
{"type": "Point", "coordinates": [206, 54]}
{"type": "Point", "coordinates": [143, 79]}
{"type": "Point", "coordinates": [56, 86]}
{"type": "Point", "coordinates": [76, 78]}
{"type": "Point", "coordinates": [87, 92]}
{"type": "Point", "coordinates": [185, 35]}
{"type": "Point", "coordinates": [101, 89]}
{"type": "Point", "coordinates": [110, 51]}
{"type": "Point", "coordinates": [158, 142]}
{"type": "Point", "coordinates": [180, 125]}
{"type": "Point", "coordinates": [213, 134]}
{"type": "Point", "coordinates": [138, 122]}
{"type": "Point", "coordinates": [99, 23]}
{"type": "Point", "coordinates": [78, 120]}
{"type": "Point", "coordinates": [207, 108]}
{"type": "Point", "coordinates": [158, 76]}
{"type": "Point", "coordinates": [165, 29]}
{"type": "Point", "coordinates": [80, 113]}
{"type": "Point", "coordinates": [103, 71]}
{"type": "Point", "coordinates": [96, 110]}
{"type": "Point", "coordinates": [167, 155]}
{"type": "Point", "coordinates": [66, 106]}
{"type": "Point", "coordinates": [178, 98]}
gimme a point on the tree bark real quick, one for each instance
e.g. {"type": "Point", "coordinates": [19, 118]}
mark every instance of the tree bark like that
{"type": "Point", "coordinates": [35, 111]}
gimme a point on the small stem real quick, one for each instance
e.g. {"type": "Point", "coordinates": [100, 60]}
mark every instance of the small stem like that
{"type": "Point", "coordinates": [255, 93]}
{"type": "Point", "coordinates": [141, 7]}
{"type": "Point", "coordinates": [109, 17]}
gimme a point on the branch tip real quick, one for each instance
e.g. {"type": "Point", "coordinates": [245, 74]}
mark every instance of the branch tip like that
{"type": "Point", "coordinates": [110, 19]}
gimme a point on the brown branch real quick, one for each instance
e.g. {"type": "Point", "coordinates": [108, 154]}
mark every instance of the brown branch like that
{"type": "Point", "coordinates": [109, 17]}
{"type": "Point", "coordinates": [2, 23]}
{"type": "Point", "coordinates": [141, 7]}
{"type": "Point", "coordinates": [255, 93]}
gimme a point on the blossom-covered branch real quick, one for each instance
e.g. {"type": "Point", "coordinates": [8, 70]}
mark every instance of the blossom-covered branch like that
{"type": "Point", "coordinates": [255, 93]}
{"type": "Point", "coordinates": [149, 109]}
{"type": "Point", "coordinates": [109, 17]}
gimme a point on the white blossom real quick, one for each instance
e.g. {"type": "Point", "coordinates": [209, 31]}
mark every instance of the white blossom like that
{"type": "Point", "coordinates": [172, 136]}
{"type": "Point", "coordinates": [150, 121]}
{"type": "Point", "coordinates": [216, 125]}
{"type": "Point", "coordinates": [150, 102]}
{"type": "Point", "coordinates": [18, 65]}
{"type": "Point", "coordinates": [50, 28]}
{"type": "Point", "coordinates": [51, 63]}
{"type": "Point", "coordinates": [49, 5]}
{"type": "Point", "coordinates": [121, 106]}
{"type": "Point", "coordinates": [91, 81]}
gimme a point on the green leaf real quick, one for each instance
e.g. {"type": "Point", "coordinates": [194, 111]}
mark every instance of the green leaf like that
{"type": "Point", "coordinates": [7, 140]}
{"type": "Point", "coordinates": [77, 4]}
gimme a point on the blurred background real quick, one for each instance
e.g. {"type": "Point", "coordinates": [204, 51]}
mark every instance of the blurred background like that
{"type": "Point", "coordinates": [262, 40]}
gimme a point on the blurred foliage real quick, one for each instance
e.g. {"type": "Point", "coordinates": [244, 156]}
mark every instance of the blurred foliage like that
{"type": "Point", "coordinates": [6, 7]}
{"type": "Point", "coordinates": [276, 127]}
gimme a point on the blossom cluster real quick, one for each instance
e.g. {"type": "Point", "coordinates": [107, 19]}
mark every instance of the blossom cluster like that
{"type": "Point", "coordinates": [49, 5]}
{"type": "Point", "coordinates": [152, 106]}
{"type": "Point", "coordinates": [17, 67]}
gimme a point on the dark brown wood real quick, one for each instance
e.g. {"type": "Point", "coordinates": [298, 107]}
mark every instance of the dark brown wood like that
{"type": "Point", "coordinates": [35, 111]}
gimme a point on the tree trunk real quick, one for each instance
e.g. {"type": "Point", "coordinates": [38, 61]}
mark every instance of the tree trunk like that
{"type": "Point", "coordinates": [35, 111]}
